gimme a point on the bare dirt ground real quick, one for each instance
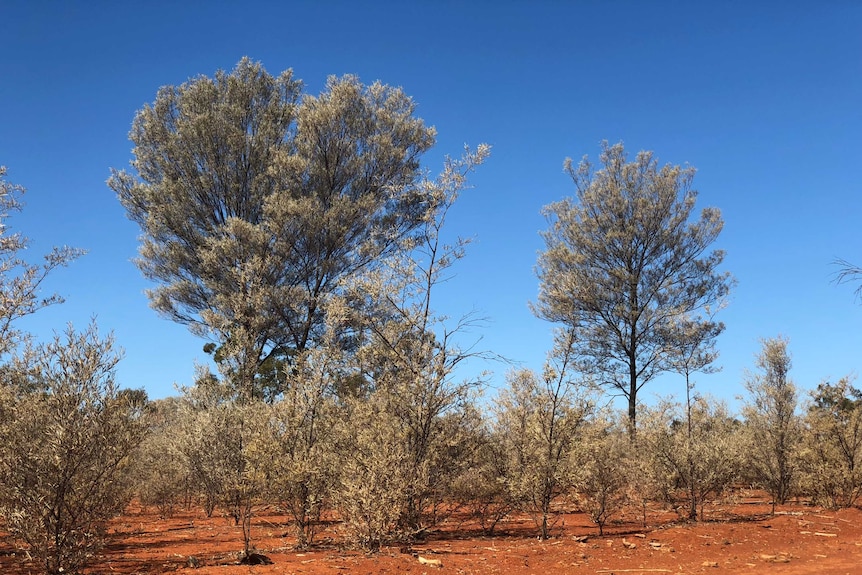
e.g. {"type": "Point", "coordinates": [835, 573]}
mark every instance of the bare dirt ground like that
{"type": "Point", "coordinates": [739, 538]}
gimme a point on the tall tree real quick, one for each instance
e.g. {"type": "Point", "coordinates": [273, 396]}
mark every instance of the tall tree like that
{"type": "Point", "coordinates": [255, 201]}
{"type": "Point", "coordinates": [624, 262]}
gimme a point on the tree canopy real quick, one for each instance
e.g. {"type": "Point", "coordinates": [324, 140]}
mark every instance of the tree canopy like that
{"type": "Point", "coordinates": [255, 200]}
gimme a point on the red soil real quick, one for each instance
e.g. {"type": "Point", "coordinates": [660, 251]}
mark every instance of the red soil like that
{"type": "Point", "coordinates": [743, 538]}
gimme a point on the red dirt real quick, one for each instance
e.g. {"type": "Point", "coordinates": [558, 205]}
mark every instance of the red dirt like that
{"type": "Point", "coordinates": [799, 539]}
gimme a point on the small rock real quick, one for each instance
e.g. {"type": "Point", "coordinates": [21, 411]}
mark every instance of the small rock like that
{"type": "Point", "coordinates": [429, 562]}
{"type": "Point", "coordinates": [709, 564]}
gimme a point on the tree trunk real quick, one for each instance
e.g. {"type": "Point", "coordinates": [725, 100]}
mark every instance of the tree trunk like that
{"type": "Point", "coordinates": [692, 491]}
{"type": "Point", "coordinates": [632, 397]}
{"type": "Point", "coordinates": [692, 507]}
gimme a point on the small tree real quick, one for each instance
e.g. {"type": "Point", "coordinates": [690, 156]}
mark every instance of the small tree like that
{"type": "Point", "coordinates": [540, 421]}
{"type": "Point", "coordinates": [694, 352]}
{"type": "Point", "coordinates": [301, 441]}
{"type": "Point", "coordinates": [770, 416]}
{"type": "Point", "coordinates": [64, 460]}
{"type": "Point", "coordinates": [601, 461]}
{"type": "Point", "coordinates": [207, 440]}
{"type": "Point", "coordinates": [374, 472]}
{"type": "Point", "coordinates": [408, 354]}
{"type": "Point", "coordinates": [223, 441]}
{"type": "Point", "coordinates": [161, 471]}
{"type": "Point", "coordinates": [697, 448]}
{"type": "Point", "coordinates": [832, 448]}
{"type": "Point", "coordinates": [481, 485]}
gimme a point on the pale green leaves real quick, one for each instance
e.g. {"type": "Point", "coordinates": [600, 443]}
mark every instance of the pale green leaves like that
{"type": "Point", "coordinates": [625, 261]}
{"type": "Point", "coordinates": [257, 202]}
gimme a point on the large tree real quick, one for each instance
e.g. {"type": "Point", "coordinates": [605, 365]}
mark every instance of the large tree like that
{"type": "Point", "coordinates": [255, 201]}
{"type": "Point", "coordinates": [624, 262]}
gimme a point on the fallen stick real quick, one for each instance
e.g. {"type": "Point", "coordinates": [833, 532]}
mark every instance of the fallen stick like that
{"type": "Point", "coordinates": [634, 571]}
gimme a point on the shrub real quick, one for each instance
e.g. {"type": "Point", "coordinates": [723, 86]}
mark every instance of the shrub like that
{"type": "Point", "coordinates": [65, 447]}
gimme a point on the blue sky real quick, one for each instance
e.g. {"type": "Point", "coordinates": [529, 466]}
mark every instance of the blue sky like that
{"type": "Point", "coordinates": [764, 98]}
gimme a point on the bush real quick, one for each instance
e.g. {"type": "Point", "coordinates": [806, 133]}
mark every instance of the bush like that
{"type": "Point", "coordinates": [162, 472]}
{"type": "Point", "coordinates": [65, 447]}
{"type": "Point", "coordinates": [832, 446]}
{"type": "Point", "coordinates": [699, 454]}
{"type": "Point", "coordinates": [774, 429]}
{"type": "Point", "coordinates": [373, 479]}
{"type": "Point", "coordinates": [602, 459]}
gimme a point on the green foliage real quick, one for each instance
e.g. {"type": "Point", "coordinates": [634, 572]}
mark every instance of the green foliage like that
{"type": "Point", "coordinates": [270, 379]}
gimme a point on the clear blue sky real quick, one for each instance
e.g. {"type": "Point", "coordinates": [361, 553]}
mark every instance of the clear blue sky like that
{"type": "Point", "coordinates": [764, 98]}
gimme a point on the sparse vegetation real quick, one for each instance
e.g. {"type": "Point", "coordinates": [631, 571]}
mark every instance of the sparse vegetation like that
{"type": "Point", "coordinates": [540, 422]}
{"type": "Point", "coordinates": [300, 235]}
